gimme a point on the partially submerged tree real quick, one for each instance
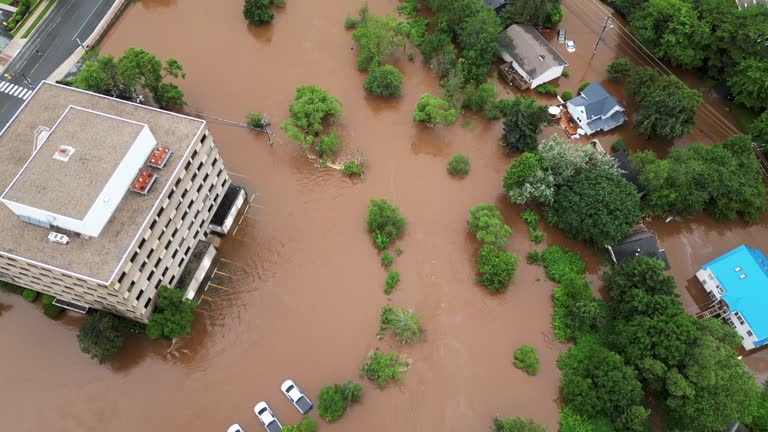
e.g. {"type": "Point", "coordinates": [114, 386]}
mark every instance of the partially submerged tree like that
{"type": "Point", "coordinates": [496, 267]}
{"type": "Point", "coordinates": [486, 222]}
{"type": "Point", "coordinates": [376, 38]}
{"type": "Point", "coordinates": [258, 12]}
{"type": "Point", "coordinates": [523, 124]}
{"type": "Point", "coordinates": [312, 110]}
{"type": "Point", "coordinates": [749, 83]}
{"type": "Point", "coordinates": [173, 316]}
{"type": "Point", "coordinates": [667, 106]}
{"type": "Point", "coordinates": [384, 81]}
{"type": "Point", "coordinates": [384, 222]}
{"type": "Point", "coordinates": [100, 335]}
{"type": "Point", "coordinates": [619, 68]}
{"type": "Point", "coordinates": [434, 111]}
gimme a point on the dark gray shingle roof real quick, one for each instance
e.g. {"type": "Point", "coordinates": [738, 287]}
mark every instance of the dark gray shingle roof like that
{"type": "Point", "coordinates": [641, 242]}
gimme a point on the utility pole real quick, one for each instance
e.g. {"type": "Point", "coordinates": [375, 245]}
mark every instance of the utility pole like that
{"type": "Point", "coordinates": [606, 25]}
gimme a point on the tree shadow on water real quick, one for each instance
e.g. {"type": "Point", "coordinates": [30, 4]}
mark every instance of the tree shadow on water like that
{"type": "Point", "coordinates": [156, 4]}
{"type": "Point", "coordinates": [261, 33]}
{"type": "Point", "coordinates": [430, 141]}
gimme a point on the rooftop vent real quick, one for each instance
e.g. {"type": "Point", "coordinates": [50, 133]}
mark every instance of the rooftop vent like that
{"type": "Point", "coordinates": [159, 157]}
{"type": "Point", "coordinates": [58, 238]}
{"type": "Point", "coordinates": [63, 153]}
{"type": "Point", "coordinates": [737, 269]}
{"type": "Point", "coordinates": [143, 182]}
{"type": "Point", "coordinates": [742, 276]}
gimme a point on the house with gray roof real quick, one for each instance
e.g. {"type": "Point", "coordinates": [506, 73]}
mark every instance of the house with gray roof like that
{"type": "Point", "coordinates": [530, 59]}
{"type": "Point", "coordinates": [640, 242]}
{"type": "Point", "coordinates": [741, 4]}
{"type": "Point", "coordinates": [595, 110]}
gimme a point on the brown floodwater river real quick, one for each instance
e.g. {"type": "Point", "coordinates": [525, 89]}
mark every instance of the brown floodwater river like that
{"type": "Point", "coordinates": [298, 288]}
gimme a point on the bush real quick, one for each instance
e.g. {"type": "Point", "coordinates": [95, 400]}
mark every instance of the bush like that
{"type": "Point", "coordinates": [434, 111]}
{"type": "Point", "coordinates": [353, 167]}
{"type": "Point", "coordinates": [383, 368]}
{"type": "Point", "coordinates": [257, 12]}
{"type": "Point", "coordinates": [567, 95]}
{"type": "Point", "coordinates": [307, 425]}
{"type": "Point", "coordinates": [351, 392]}
{"type": "Point", "coordinates": [100, 335]}
{"type": "Point", "coordinates": [526, 360]}
{"type": "Point", "coordinates": [312, 109]}
{"type": "Point", "coordinates": [383, 81]}
{"type": "Point", "coordinates": [52, 311]}
{"type": "Point", "coordinates": [256, 120]}
{"type": "Point", "coordinates": [619, 68]}
{"type": "Point", "coordinates": [29, 295]}
{"type": "Point", "coordinates": [330, 403]}
{"type": "Point", "coordinates": [573, 422]}
{"type": "Point", "coordinates": [535, 235]}
{"type": "Point", "coordinates": [48, 299]}
{"type": "Point", "coordinates": [458, 166]}
{"type": "Point", "coordinates": [534, 257]}
{"type": "Point", "coordinates": [480, 98]}
{"type": "Point", "coordinates": [560, 262]}
{"type": "Point", "coordinates": [402, 323]}
{"type": "Point", "coordinates": [530, 217]}
{"type": "Point", "coordinates": [583, 85]}
{"type": "Point", "coordinates": [393, 277]}
{"type": "Point", "coordinates": [386, 259]}
{"type": "Point", "coordinates": [516, 424]}
{"type": "Point", "coordinates": [384, 222]}
{"type": "Point", "coordinates": [350, 23]}
{"type": "Point", "coordinates": [618, 145]}
{"type": "Point", "coordinates": [547, 89]}
{"type": "Point", "coordinates": [496, 268]}
{"type": "Point", "coordinates": [11, 288]}
{"type": "Point", "coordinates": [328, 145]}
{"type": "Point", "coordinates": [565, 74]}
{"type": "Point", "coordinates": [173, 316]}
{"type": "Point", "coordinates": [523, 124]}
{"type": "Point", "coordinates": [398, 251]}
{"type": "Point", "coordinates": [488, 225]}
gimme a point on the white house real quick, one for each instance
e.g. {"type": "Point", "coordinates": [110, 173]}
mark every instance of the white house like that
{"type": "Point", "coordinates": [530, 60]}
{"type": "Point", "coordinates": [595, 110]}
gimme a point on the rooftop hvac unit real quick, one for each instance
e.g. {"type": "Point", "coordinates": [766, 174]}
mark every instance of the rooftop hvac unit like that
{"type": "Point", "coordinates": [58, 238]}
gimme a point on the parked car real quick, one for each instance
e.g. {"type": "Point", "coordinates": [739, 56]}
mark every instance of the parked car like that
{"type": "Point", "coordinates": [267, 417]}
{"type": "Point", "coordinates": [570, 46]}
{"type": "Point", "coordinates": [235, 428]}
{"type": "Point", "coordinates": [296, 396]}
{"type": "Point", "coordinates": [561, 35]}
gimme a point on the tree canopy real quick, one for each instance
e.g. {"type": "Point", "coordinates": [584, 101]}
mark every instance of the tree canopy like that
{"type": "Point", "coordinates": [597, 207]}
{"type": "Point", "coordinates": [100, 335]}
{"type": "Point", "coordinates": [749, 83]}
{"type": "Point", "coordinates": [384, 81]}
{"type": "Point", "coordinates": [311, 111]}
{"type": "Point", "coordinates": [258, 12]}
{"type": "Point", "coordinates": [667, 106]}
{"type": "Point", "coordinates": [523, 124]}
{"type": "Point", "coordinates": [488, 224]}
{"type": "Point", "coordinates": [376, 38]}
{"type": "Point", "coordinates": [434, 111]}
{"type": "Point", "coordinates": [173, 316]}
{"type": "Point", "coordinates": [759, 131]}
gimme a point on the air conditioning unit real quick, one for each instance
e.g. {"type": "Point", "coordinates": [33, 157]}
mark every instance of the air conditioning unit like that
{"type": "Point", "coordinates": [58, 238]}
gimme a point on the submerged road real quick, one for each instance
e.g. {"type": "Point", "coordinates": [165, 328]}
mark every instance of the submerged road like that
{"type": "Point", "coordinates": [54, 40]}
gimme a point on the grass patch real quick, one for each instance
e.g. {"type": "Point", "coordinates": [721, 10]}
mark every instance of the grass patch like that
{"type": "Point", "coordinates": [526, 360]}
{"type": "Point", "coordinates": [393, 277]}
{"type": "Point", "coordinates": [402, 323]}
{"type": "Point", "coordinates": [7, 2]}
{"type": "Point", "coordinates": [38, 19]}
{"type": "Point", "coordinates": [20, 24]}
{"type": "Point", "coordinates": [384, 368]}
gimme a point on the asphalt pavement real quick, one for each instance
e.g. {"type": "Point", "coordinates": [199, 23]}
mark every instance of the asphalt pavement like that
{"type": "Point", "coordinates": [52, 42]}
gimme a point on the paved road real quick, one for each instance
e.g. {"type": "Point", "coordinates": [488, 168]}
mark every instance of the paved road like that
{"type": "Point", "coordinates": [56, 39]}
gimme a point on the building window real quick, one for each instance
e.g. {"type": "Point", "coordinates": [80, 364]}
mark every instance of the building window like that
{"type": "Point", "coordinates": [6, 276]}
{"type": "Point", "coordinates": [146, 303]}
{"type": "Point", "coordinates": [749, 333]}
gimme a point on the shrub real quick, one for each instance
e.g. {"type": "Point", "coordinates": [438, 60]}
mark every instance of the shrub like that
{"type": "Point", "coordinates": [393, 277]}
{"type": "Point", "coordinates": [328, 145]}
{"type": "Point", "coordinates": [516, 424]}
{"type": "Point", "coordinates": [52, 311]}
{"type": "Point", "coordinates": [618, 145]}
{"type": "Point", "coordinates": [560, 262]}
{"type": "Point", "coordinates": [526, 360]}
{"type": "Point", "coordinates": [29, 295]}
{"type": "Point", "coordinates": [384, 222]}
{"type": "Point", "coordinates": [567, 95]}
{"type": "Point", "coordinates": [619, 68]}
{"type": "Point", "coordinates": [408, 8]}
{"type": "Point", "coordinates": [11, 288]}
{"type": "Point", "coordinates": [312, 109]}
{"type": "Point", "coordinates": [534, 257]}
{"type": "Point", "coordinates": [496, 268]}
{"type": "Point", "coordinates": [353, 167]}
{"type": "Point", "coordinates": [173, 316]}
{"type": "Point", "coordinates": [584, 85]}
{"type": "Point", "coordinates": [351, 392]}
{"type": "Point", "coordinates": [384, 81]}
{"type": "Point", "coordinates": [530, 217]}
{"type": "Point", "coordinates": [383, 368]}
{"type": "Point", "coordinates": [565, 74]}
{"type": "Point", "coordinates": [570, 421]}
{"type": "Point", "coordinates": [458, 166]}
{"type": "Point", "coordinates": [535, 235]}
{"type": "Point", "coordinates": [330, 403]}
{"type": "Point", "coordinates": [488, 225]}
{"type": "Point", "coordinates": [256, 120]}
{"type": "Point", "coordinates": [546, 89]}
{"type": "Point", "coordinates": [48, 299]}
{"type": "Point", "coordinates": [402, 323]}
{"type": "Point", "coordinates": [100, 335]}
{"type": "Point", "coordinates": [350, 23]}
{"type": "Point", "coordinates": [434, 111]}
{"type": "Point", "coordinates": [386, 259]}
{"type": "Point", "coordinates": [480, 98]}
{"type": "Point", "coordinates": [398, 251]}
{"type": "Point", "coordinates": [257, 12]}
{"type": "Point", "coordinates": [307, 425]}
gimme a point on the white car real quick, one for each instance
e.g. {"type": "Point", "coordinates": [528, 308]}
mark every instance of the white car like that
{"type": "Point", "coordinates": [570, 46]}
{"type": "Point", "coordinates": [267, 417]}
{"type": "Point", "coordinates": [296, 396]}
{"type": "Point", "coordinates": [235, 428]}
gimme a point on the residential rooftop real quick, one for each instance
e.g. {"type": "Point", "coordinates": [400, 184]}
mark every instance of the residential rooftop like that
{"type": "Point", "coordinates": [523, 44]}
{"type": "Point", "coordinates": [99, 128]}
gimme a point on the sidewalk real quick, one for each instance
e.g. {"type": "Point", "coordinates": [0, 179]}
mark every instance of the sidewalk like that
{"type": "Point", "coordinates": [15, 45]}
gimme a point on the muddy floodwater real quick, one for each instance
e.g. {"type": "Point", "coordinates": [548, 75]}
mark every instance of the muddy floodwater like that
{"type": "Point", "coordinates": [298, 288]}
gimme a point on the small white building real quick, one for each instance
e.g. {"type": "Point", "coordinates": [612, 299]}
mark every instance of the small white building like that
{"type": "Point", "coordinates": [595, 110]}
{"type": "Point", "coordinates": [530, 60]}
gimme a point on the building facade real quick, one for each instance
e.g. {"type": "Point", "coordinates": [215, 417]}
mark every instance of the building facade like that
{"type": "Point", "coordinates": [104, 200]}
{"type": "Point", "coordinates": [595, 110]}
{"type": "Point", "coordinates": [737, 286]}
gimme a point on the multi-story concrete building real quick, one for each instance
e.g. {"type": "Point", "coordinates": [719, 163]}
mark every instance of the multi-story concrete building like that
{"type": "Point", "coordinates": [104, 200]}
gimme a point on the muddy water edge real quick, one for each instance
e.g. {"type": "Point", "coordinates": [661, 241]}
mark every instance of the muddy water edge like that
{"type": "Point", "coordinates": [300, 287]}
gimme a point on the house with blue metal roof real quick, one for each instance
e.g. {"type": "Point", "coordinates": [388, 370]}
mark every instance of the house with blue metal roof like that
{"type": "Point", "coordinates": [595, 110]}
{"type": "Point", "coordinates": [737, 285]}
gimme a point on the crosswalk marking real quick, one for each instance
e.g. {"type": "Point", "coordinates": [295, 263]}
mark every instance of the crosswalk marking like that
{"type": "Point", "coordinates": [15, 90]}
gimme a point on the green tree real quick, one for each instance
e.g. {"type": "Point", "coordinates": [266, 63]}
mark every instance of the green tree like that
{"type": "Point", "coordinates": [564, 161]}
{"type": "Point", "coordinates": [598, 207]}
{"type": "Point", "coordinates": [575, 311]}
{"type": "Point", "coordinates": [311, 110]}
{"type": "Point", "coordinates": [384, 222]}
{"type": "Point", "coordinates": [526, 360]}
{"type": "Point", "coordinates": [496, 268]}
{"type": "Point", "coordinates": [488, 225]}
{"type": "Point", "coordinates": [523, 123]}
{"type": "Point", "coordinates": [376, 37]}
{"type": "Point", "coordinates": [749, 83]}
{"type": "Point", "coordinates": [434, 111]}
{"type": "Point", "coordinates": [477, 36]}
{"type": "Point", "coordinates": [516, 424]}
{"type": "Point", "coordinates": [759, 131]}
{"type": "Point", "coordinates": [384, 368]}
{"type": "Point", "coordinates": [100, 335]}
{"type": "Point", "coordinates": [619, 68]}
{"type": "Point", "coordinates": [545, 13]}
{"type": "Point", "coordinates": [383, 81]}
{"type": "Point", "coordinates": [481, 98]}
{"type": "Point", "coordinates": [759, 422]}
{"type": "Point", "coordinates": [668, 109]}
{"type": "Point", "coordinates": [634, 284]}
{"type": "Point", "coordinates": [173, 316]}
{"type": "Point", "coordinates": [672, 30]}
{"type": "Point", "coordinates": [334, 400]}
{"type": "Point", "coordinates": [641, 82]}
{"type": "Point", "coordinates": [258, 12]}
{"type": "Point", "coordinates": [525, 179]}
{"type": "Point", "coordinates": [458, 166]}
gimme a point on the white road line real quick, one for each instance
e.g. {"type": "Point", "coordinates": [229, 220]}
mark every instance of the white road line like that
{"type": "Point", "coordinates": [18, 90]}
{"type": "Point", "coordinates": [4, 85]}
{"type": "Point", "coordinates": [10, 89]}
{"type": "Point", "coordinates": [27, 96]}
{"type": "Point", "coordinates": [23, 94]}
{"type": "Point", "coordinates": [86, 20]}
